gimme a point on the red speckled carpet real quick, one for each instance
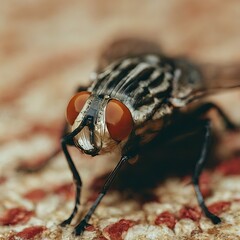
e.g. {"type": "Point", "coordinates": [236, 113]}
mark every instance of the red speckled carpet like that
{"type": "Point", "coordinates": [48, 48]}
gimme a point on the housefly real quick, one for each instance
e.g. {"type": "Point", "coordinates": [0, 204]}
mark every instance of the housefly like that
{"type": "Point", "coordinates": [135, 94]}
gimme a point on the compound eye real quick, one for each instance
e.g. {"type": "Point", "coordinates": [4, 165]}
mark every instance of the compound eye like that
{"type": "Point", "coordinates": [75, 106]}
{"type": "Point", "coordinates": [118, 119]}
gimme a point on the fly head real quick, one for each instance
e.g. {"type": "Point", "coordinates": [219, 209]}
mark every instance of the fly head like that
{"type": "Point", "coordinates": [104, 123]}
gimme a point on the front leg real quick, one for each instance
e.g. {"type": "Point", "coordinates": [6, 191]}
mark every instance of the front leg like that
{"type": "Point", "coordinates": [79, 229]}
{"type": "Point", "coordinates": [68, 140]}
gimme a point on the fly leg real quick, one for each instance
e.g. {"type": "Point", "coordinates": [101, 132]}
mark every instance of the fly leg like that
{"type": "Point", "coordinates": [198, 170]}
{"type": "Point", "coordinates": [68, 140]}
{"type": "Point", "coordinates": [203, 156]}
{"type": "Point", "coordinates": [84, 222]}
{"type": "Point", "coordinates": [208, 106]}
{"type": "Point", "coordinates": [183, 130]}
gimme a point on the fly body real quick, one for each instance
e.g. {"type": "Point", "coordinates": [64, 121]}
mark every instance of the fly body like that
{"type": "Point", "coordinates": [133, 96]}
{"type": "Point", "coordinates": [150, 86]}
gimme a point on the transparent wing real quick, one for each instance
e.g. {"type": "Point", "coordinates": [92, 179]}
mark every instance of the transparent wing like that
{"type": "Point", "coordinates": [125, 47]}
{"type": "Point", "coordinates": [218, 77]}
{"type": "Point", "coordinates": [197, 80]}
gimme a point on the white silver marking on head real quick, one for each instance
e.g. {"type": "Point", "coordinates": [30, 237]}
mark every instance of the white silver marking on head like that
{"type": "Point", "coordinates": [102, 138]}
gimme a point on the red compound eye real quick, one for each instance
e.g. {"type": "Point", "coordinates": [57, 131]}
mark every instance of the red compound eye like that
{"type": "Point", "coordinates": [119, 120]}
{"type": "Point", "coordinates": [75, 105]}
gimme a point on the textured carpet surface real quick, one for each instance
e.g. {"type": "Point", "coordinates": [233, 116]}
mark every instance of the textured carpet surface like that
{"type": "Point", "coordinates": [47, 49]}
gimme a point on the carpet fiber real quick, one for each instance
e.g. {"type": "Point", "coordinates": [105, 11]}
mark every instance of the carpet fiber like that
{"type": "Point", "coordinates": [47, 49]}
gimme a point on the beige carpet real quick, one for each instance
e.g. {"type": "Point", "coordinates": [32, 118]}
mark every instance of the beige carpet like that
{"type": "Point", "coordinates": [47, 49]}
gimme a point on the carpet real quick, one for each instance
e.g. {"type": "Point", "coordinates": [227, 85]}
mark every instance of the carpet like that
{"type": "Point", "coordinates": [48, 49]}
